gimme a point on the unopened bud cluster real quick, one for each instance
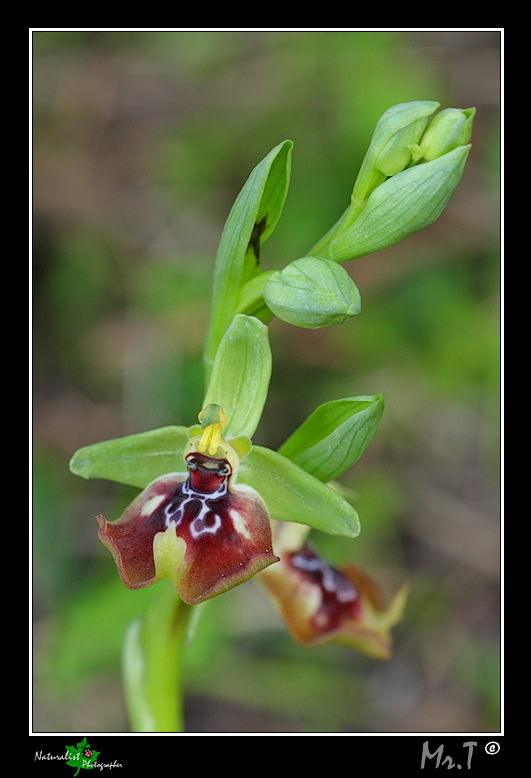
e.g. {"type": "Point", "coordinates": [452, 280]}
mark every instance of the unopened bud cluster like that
{"type": "Point", "coordinates": [409, 172]}
{"type": "Point", "coordinates": [411, 168]}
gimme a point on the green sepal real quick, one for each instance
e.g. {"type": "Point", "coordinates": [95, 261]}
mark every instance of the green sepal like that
{"type": "Point", "coordinates": [135, 460]}
{"type": "Point", "coordinates": [240, 375]}
{"type": "Point", "coordinates": [292, 494]}
{"type": "Point", "coordinates": [334, 436]}
{"type": "Point", "coordinates": [251, 220]}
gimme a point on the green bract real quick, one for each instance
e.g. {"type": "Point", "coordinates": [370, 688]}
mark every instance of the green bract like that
{"type": "Point", "coordinates": [252, 219]}
{"type": "Point", "coordinates": [312, 292]}
{"type": "Point", "coordinates": [401, 206]}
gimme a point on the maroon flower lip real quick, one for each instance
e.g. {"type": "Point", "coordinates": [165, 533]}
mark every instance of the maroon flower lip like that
{"type": "Point", "coordinates": [340, 599]}
{"type": "Point", "coordinates": [200, 530]}
{"type": "Point", "coordinates": [321, 604]}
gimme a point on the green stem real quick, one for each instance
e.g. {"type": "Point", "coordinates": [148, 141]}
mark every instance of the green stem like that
{"type": "Point", "coordinates": [152, 664]}
{"type": "Point", "coordinates": [366, 183]}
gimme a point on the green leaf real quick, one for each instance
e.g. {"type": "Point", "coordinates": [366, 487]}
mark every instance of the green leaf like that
{"type": "Point", "coordinates": [139, 710]}
{"type": "Point", "coordinates": [252, 219]}
{"type": "Point", "coordinates": [77, 757]}
{"type": "Point", "coordinates": [334, 436]}
{"type": "Point", "coordinates": [313, 292]}
{"type": "Point", "coordinates": [240, 375]}
{"type": "Point", "coordinates": [135, 460]}
{"type": "Point", "coordinates": [292, 494]}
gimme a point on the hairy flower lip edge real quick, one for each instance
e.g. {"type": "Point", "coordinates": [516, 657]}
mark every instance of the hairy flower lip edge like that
{"type": "Point", "coordinates": [167, 531]}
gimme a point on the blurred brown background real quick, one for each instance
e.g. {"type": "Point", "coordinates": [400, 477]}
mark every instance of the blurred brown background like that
{"type": "Point", "coordinates": [141, 142]}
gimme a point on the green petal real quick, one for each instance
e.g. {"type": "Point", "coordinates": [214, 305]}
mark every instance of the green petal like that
{"type": "Point", "coordinates": [240, 375]}
{"type": "Point", "coordinates": [292, 494]}
{"type": "Point", "coordinates": [135, 460]}
{"type": "Point", "coordinates": [334, 436]}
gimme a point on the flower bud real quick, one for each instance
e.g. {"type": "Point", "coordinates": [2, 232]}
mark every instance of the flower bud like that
{"type": "Point", "coordinates": [312, 292]}
{"type": "Point", "coordinates": [321, 604]}
{"type": "Point", "coordinates": [448, 130]}
{"type": "Point", "coordinates": [396, 154]}
{"type": "Point", "coordinates": [390, 201]}
{"type": "Point", "coordinates": [388, 154]}
{"type": "Point", "coordinates": [199, 529]}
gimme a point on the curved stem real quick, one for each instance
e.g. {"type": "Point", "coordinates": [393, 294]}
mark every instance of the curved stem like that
{"type": "Point", "coordinates": [152, 664]}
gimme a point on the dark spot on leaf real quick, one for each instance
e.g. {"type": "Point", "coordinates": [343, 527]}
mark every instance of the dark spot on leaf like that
{"type": "Point", "coordinates": [254, 242]}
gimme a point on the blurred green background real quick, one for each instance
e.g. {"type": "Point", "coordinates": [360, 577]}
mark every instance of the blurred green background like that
{"type": "Point", "coordinates": [141, 142]}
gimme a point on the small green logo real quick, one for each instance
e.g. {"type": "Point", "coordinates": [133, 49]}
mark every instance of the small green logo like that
{"type": "Point", "coordinates": [82, 757]}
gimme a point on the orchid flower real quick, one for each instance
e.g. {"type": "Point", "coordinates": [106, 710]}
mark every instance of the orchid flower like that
{"type": "Point", "coordinates": [209, 496]}
{"type": "Point", "coordinates": [321, 604]}
{"type": "Point", "coordinates": [201, 531]}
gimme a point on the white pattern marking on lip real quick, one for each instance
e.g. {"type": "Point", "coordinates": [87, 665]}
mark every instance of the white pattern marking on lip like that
{"type": "Point", "coordinates": [332, 581]}
{"type": "Point", "coordinates": [175, 513]}
{"type": "Point", "coordinates": [151, 505]}
{"type": "Point", "coordinates": [239, 524]}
